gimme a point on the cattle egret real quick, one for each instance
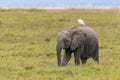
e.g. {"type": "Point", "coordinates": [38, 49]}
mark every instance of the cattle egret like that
{"type": "Point", "coordinates": [81, 22]}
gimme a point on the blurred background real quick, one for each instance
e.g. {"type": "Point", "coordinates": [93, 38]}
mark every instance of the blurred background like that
{"type": "Point", "coordinates": [59, 3]}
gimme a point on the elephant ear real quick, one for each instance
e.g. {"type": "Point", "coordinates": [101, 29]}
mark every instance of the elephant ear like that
{"type": "Point", "coordinates": [78, 38]}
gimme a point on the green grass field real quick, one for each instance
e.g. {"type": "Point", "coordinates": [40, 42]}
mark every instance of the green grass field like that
{"type": "Point", "coordinates": [28, 40]}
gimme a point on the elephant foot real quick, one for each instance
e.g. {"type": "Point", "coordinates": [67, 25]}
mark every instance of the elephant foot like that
{"type": "Point", "coordinates": [96, 60]}
{"type": "Point", "coordinates": [83, 61]}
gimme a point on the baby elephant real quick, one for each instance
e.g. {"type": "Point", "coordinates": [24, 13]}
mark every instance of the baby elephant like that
{"type": "Point", "coordinates": [82, 41]}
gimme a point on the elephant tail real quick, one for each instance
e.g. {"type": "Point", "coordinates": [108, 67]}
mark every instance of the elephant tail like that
{"type": "Point", "coordinates": [81, 22]}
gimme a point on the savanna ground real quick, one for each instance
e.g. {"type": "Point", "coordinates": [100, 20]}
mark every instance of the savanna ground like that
{"type": "Point", "coordinates": [28, 40]}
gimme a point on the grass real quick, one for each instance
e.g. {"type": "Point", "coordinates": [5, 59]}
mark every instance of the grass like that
{"type": "Point", "coordinates": [28, 40]}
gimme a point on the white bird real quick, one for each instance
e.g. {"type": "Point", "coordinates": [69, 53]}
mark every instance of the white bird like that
{"type": "Point", "coordinates": [81, 22]}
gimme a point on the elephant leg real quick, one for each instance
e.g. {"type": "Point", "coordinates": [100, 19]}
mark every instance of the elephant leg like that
{"type": "Point", "coordinates": [77, 54]}
{"type": "Point", "coordinates": [96, 55]}
{"type": "Point", "coordinates": [83, 59]}
{"type": "Point", "coordinates": [66, 57]}
{"type": "Point", "coordinates": [77, 58]}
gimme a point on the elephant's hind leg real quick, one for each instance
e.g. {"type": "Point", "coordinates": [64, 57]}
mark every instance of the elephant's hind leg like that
{"type": "Point", "coordinates": [96, 54]}
{"type": "Point", "coordinates": [84, 60]}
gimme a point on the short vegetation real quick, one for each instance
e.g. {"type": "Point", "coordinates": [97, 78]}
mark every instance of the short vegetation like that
{"type": "Point", "coordinates": [28, 41]}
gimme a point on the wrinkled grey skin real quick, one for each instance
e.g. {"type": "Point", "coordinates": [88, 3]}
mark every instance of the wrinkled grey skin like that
{"type": "Point", "coordinates": [82, 41]}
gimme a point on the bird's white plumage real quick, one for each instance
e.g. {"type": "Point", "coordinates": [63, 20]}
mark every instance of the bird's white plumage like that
{"type": "Point", "coordinates": [81, 22]}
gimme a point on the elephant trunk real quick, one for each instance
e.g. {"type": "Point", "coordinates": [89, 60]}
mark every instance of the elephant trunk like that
{"type": "Point", "coordinates": [59, 47]}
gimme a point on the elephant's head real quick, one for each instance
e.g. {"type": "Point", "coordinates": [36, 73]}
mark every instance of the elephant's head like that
{"type": "Point", "coordinates": [71, 38]}
{"type": "Point", "coordinates": [63, 42]}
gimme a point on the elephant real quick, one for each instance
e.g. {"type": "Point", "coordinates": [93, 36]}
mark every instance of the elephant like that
{"type": "Point", "coordinates": [82, 41]}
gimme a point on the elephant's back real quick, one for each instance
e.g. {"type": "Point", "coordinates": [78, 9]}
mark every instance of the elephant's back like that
{"type": "Point", "coordinates": [91, 40]}
{"type": "Point", "coordinates": [88, 31]}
